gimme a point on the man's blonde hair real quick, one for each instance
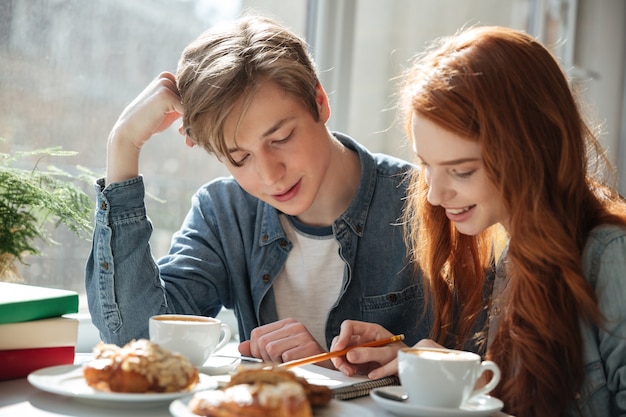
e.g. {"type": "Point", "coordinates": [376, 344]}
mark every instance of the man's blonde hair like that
{"type": "Point", "coordinates": [228, 63]}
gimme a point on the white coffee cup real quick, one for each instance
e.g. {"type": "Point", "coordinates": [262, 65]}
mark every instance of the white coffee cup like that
{"type": "Point", "coordinates": [443, 378]}
{"type": "Point", "coordinates": [195, 337]}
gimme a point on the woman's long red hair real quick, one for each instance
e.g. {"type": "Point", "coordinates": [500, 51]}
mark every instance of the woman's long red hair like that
{"type": "Point", "coordinates": [503, 89]}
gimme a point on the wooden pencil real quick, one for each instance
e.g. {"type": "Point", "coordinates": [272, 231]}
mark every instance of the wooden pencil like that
{"type": "Point", "coordinates": [328, 355]}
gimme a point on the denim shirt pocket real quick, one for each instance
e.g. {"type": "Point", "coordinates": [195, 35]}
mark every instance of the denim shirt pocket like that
{"type": "Point", "coordinates": [398, 312]}
{"type": "Point", "coordinates": [593, 392]}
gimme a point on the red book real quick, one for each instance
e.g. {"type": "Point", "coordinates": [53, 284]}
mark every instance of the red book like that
{"type": "Point", "coordinates": [18, 363]}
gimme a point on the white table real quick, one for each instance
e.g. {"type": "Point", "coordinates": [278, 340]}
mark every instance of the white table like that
{"type": "Point", "coordinates": [18, 398]}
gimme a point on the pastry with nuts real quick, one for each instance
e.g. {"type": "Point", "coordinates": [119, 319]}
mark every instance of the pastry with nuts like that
{"type": "Point", "coordinates": [263, 392]}
{"type": "Point", "coordinates": [140, 366]}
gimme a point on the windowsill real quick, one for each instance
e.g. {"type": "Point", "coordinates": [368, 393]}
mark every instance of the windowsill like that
{"type": "Point", "coordinates": [88, 335]}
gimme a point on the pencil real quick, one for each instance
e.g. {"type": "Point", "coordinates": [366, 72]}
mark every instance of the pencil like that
{"type": "Point", "coordinates": [323, 356]}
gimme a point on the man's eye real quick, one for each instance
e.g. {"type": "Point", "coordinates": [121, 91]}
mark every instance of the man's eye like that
{"type": "Point", "coordinates": [239, 160]}
{"type": "Point", "coordinates": [287, 138]}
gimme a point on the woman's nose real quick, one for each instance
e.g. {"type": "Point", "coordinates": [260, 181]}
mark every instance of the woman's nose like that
{"type": "Point", "coordinates": [438, 190]}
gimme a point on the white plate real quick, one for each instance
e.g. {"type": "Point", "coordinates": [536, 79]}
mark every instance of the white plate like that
{"type": "Point", "coordinates": [481, 406]}
{"type": "Point", "coordinates": [68, 380]}
{"type": "Point", "coordinates": [336, 408]}
{"type": "Point", "coordinates": [220, 365]}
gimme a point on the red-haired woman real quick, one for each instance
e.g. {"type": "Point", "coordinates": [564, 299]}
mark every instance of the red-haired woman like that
{"type": "Point", "coordinates": [502, 144]}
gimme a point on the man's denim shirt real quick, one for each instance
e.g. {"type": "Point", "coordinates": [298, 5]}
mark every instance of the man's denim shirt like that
{"type": "Point", "coordinates": [603, 392]}
{"type": "Point", "coordinates": [231, 247]}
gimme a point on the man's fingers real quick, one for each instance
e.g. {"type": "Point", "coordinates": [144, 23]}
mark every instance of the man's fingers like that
{"type": "Point", "coordinates": [244, 348]}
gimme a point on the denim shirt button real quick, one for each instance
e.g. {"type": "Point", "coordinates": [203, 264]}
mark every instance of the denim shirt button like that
{"type": "Point", "coordinates": [105, 265]}
{"type": "Point", "coordinates": [283, 243]}
{"type": "Point", "coordinates": [264, 238]}
{"type": "Point", "coordinates": [392, 298]}
{"type": "Point", "coordinates": [358, 228]}
{"type": "Point", "coordinates": [103, 206]}
{"type": "Point", "coordinates": [266, 278]}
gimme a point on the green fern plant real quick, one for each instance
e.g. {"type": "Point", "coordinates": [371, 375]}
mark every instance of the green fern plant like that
{"type": "Point", "coordinates": [33, 199]}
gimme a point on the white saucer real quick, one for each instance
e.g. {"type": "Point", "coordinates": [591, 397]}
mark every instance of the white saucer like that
{"type": "Point", "coordinates": [68, 380]}
{"type": "Point", "coordinates": [220, 365]}
{"type": "Point", "coordinates": [480, 406]}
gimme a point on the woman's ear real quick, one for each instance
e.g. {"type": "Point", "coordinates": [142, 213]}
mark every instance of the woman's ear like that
{"type": "Point", "coordinates": [323, 106]}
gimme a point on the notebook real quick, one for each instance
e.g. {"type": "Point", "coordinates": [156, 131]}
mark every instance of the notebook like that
{"type": "Point", "coordinates": [343, 387]}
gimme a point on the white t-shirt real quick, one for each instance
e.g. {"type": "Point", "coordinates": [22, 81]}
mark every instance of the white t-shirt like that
{"type": "Point", "coordinates": [309, 284]}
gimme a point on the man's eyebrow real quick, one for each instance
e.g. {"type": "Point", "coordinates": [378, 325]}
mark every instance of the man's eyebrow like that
{"type": "Point", "coordinates": [275, 127]}
{"type": "Point", "coordinates": [268, 132]}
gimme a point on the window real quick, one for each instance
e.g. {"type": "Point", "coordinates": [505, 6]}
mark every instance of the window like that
{"type": "Point", "coordinates": [69, 67]}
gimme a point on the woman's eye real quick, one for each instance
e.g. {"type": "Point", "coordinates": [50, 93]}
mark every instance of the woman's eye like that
{"type": "Point", "coordinates": [464, 174]}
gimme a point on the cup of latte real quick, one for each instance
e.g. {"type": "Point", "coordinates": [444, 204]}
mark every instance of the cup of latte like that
{"type": "Point", "coordinates": [443, 378]}
{"type": "Point", "coordinates": [195, 337]}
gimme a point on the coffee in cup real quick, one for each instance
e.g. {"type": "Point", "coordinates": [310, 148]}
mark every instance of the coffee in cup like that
{"type": "Point", "coordinates": [195, 337]}
{"type": "Point", "coordinates": [443, 378]}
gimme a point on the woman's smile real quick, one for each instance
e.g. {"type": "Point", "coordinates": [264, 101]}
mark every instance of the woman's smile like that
{"type": "Point", "coordinates": [460, 214]}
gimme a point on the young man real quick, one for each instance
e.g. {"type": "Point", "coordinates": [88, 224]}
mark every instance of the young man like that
{"type": "Point", "coordinates": [305, 233]}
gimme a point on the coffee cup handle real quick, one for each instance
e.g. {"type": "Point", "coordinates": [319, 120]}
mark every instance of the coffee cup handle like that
{"type": "Point", "coordinates": [495, 378]}
{"type": "Point", "coordinates": [225, 331]}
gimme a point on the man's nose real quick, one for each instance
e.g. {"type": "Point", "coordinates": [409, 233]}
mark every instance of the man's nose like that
{"type": "Point", "coordinates": [270, 168]}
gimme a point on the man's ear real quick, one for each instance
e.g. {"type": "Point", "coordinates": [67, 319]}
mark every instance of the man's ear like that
{"type": "Point", "coordinates": [323, 106]}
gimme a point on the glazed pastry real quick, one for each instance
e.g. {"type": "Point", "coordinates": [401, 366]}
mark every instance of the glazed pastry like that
{"type": "Point", "coordinates": [139, 367]}
{"type": "Point", "coordinates": [317, 395]}
{"type": "Point", "coordinates": [285, 399]}
{"type": "Point", "coordinates": [262, 392]}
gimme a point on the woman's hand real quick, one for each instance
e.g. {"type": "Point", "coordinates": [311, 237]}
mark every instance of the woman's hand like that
{"type": "Point", "coordinates": [376, 362]}
{"type": "Point", "coordinates": [151, 112]}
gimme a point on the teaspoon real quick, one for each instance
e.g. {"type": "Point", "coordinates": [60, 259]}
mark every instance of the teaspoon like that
{"type": "Point", "coordinates": [392, 396]}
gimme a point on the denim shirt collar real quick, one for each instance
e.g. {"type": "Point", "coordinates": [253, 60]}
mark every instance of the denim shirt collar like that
{"type": "Point", "coordinates": [356, 214]}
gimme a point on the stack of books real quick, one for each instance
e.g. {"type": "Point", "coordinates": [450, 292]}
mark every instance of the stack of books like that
{"type": "Point", "coordinates": [35, 332]}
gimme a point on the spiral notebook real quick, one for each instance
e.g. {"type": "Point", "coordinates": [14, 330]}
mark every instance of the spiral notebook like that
{"type": "Point", "coordinates": [342, 386]}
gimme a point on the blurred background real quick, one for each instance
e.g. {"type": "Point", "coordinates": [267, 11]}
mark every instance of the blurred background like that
{"type": "Point", "coordinates": [69, 67]}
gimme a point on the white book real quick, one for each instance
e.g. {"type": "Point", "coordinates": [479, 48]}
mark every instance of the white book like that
{"type": "Point", "coordinates": [52, 332]}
